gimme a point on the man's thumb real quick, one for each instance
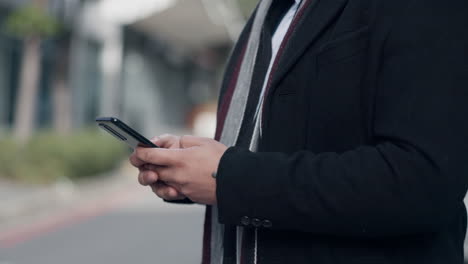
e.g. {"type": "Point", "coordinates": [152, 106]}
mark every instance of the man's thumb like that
{"type": "Point", "coordinates": [191, 141]}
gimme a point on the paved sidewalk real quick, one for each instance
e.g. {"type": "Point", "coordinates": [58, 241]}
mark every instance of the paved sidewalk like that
{"type": "Point", "coordinates": [21, 204]}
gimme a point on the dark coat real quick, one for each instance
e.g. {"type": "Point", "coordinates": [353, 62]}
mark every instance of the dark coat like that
{"type": "Point", "coordinates": [364, 153]}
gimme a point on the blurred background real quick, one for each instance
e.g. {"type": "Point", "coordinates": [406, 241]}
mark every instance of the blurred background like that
{"type": "Point", "coordinates": [67, 193]}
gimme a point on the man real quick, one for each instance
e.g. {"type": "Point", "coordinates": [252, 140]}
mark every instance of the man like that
{"type": "Point", "coordinates": [343, 137]}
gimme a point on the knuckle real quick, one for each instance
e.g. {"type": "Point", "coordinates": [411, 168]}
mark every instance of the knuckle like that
{"type": "Point", "coordinates": [133, 160]}
{"type": "Point", "coordinates": [185, 188]}
{"type": "Point", "coordinates": [168, 193]}
{"type": "Point", "coordinates": [169, 137]}
{"type": "Point", "coordinates": [171, 193]}
{"type": "Point", "coordinates": [181, 180]}
{"type": "Point", "coordinates": [165, 135]}
{"type": "Point", "coordinates": [146, 177]}
{"type": "Point", "coordinates": [184, 140]}
{"type": "Point", "coordinates": [144, 180]}
{"type": "Point", "coordinates": [137, 153]}
{"type": "Point", "coordinates": [147, 155]}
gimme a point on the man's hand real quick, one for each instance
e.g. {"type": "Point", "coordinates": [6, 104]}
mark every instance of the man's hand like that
{"type": "Point", "coordinates": [148, 175]}
{"type": "Point", "coordinates": [188, 170]}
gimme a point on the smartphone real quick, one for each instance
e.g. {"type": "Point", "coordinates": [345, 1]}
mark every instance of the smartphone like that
{"type": "Point", "coordinates": [124, 133]}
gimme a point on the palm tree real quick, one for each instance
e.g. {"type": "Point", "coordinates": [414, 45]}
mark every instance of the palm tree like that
{"type": "Point", "coordinates": [30, 23]}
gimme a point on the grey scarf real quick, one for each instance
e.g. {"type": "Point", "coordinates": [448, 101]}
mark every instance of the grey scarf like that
{"type": "Point", "coordinates": [234, 119]}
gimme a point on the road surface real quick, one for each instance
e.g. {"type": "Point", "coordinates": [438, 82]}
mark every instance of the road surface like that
{"type": "Point", "coordinates": [132, 227]}
{"type": "Point", "coordinates": [139, 229]}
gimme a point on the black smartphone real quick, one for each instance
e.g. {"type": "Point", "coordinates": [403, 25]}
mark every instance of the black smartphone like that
{"type": "Point", "coordinates": [124, 133]}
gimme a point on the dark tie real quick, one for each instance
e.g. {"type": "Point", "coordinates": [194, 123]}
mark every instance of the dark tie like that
{"type": "Point", "coordinates": [276, 13]}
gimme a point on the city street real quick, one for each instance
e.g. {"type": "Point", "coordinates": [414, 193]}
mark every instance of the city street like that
{"type": "Point", "coordinates": [127, 225]}
{"type": "Point", "coordinates": [137, 228]}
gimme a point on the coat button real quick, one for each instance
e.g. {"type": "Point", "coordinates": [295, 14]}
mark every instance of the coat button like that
{"type": "Point", "coordinates": [267, 224]}
{"type": "Point", "coordinates": [245, 221]}
{"type": "Point", "coordinates": [256, 222]}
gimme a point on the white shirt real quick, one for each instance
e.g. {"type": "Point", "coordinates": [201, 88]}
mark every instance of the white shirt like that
{"type": "Point", "coordinates": [276, 41]}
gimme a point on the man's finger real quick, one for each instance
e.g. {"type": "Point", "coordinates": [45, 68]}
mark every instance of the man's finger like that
{"type": "Point", "coordinates": [162, 191]}
{"type": "Point", "coordinates": [152, 167]}
{"type": "Point", "coordinates": [168, 141]}
{"type": "Point", "coordinates": [135, 161]}
{"type": "Point", "coordinates": [173, 194]}
{"type": "Point", "coordinates": [165, 191]}
{"type": "Point", "coordinates": [192, 141]}
{"type": "Point", "coordinates": [148, 177]}
{"type": "Point", "coordinates": [168, 175]}
{"type": "Point", "coordinates": [157, 156]}
{"type": "Point", "coordinates": [154, 139]}
{"type": "Point", "coordinates": [140, 179]}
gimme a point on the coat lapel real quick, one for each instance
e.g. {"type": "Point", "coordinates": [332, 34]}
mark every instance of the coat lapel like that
{"type": "Point", "coordinates": [319, 14]}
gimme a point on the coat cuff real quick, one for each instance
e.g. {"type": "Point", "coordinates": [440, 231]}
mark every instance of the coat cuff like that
{"type": "Point", "coordinates": [241, 190]}
{"type": "Point", "coordinates": [184, 201]}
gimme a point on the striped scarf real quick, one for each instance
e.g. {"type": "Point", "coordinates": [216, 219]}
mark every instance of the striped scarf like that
{"type": "Point", "coordinates": [231, 123]}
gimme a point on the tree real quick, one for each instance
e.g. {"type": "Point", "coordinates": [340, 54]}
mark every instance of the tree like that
{"type": "Point", "coordinates": [31, 23]}
{"type": "Point", "coordinates": [61, 93]}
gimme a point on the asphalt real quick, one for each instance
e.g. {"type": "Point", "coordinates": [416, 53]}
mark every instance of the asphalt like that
{"type": "Point", "coordinates": [128, 226]}
{"type": "Point", "coordinates": [108, 220]}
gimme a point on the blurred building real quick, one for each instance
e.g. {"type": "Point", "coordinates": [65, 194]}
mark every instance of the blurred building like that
{"type": "Point", "coordinates": [149, 62]}
{"type": "Point", "coordinates": [181, 51]}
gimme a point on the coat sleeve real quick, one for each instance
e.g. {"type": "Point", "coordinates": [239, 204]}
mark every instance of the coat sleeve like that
{"type": "Point", "coordinates": [413, 180]}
